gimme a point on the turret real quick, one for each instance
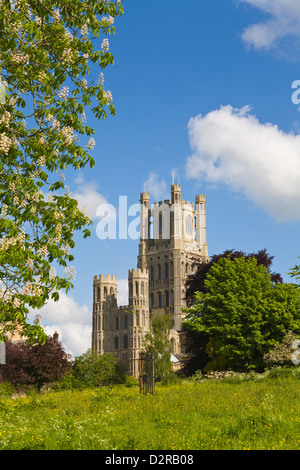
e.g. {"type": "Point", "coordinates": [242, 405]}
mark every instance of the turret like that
{"type": "Point", "coordinates": [175, 193]}
{"type": "Point", "coordinates": [138, 287]}
{"type": "Point", "coordinates": [144, 215]}
{"type": "Point", "coordinates": [201, 223]}
{"type": "Point", "coordinates": [106, 289]}
{"type": "Point", "coordinates": [105, 302]}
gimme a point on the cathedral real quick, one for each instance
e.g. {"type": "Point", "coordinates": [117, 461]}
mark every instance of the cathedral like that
{"type": "Point", "coordinates": [172, 237]}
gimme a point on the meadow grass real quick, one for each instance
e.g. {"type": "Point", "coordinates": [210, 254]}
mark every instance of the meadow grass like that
{"type": "Point", "coordinates": [255, 415]}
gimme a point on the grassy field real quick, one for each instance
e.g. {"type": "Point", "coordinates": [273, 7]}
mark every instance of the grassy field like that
{"type": "Point", "coordinates": [257, 414]}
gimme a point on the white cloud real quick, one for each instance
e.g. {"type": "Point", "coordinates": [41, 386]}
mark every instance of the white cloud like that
{"type": "Point", "coordinates": [156, 187]}
{"type": "Point", "coordinates": [231, 146]}
{"type": "Point", "coordinates": [284, 21]}
{"type": "Point", "coordinates": [76, 339]}
{"type": "Point", "coordinates": [88, 196]}
{"type": "Point", "coordinates": [72, 321]}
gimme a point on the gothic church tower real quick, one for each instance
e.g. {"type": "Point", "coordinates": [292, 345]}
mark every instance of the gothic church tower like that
{"type": "Point", "coordinates": [172, 236]}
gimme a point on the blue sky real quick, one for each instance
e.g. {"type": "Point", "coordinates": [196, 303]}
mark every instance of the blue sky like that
{"type": "Point", "coordinates": [202, 88]}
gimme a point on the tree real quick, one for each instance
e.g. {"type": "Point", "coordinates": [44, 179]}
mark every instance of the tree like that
{"type": "Point", "coordinates": [35, 364]}
{"type": "Point", "coordinates": [93, 370]}
{"type": "Point", "coordinates": [196, 281]}
{"type": "Point", "coordinates": [243, 313]}
{"type": "Point", "coordinates": [196, 342]}
{"type": "Point", "coordinates": [157, 341]}
{"type": "Point", "coordinates": [295, 272]}
{"type": "Point", "coordinates": [47, 48]}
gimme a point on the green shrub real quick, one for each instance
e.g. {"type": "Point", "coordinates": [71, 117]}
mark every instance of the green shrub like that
{"type": "Point", "coordinates": [170, 379]}
{"type": "Point", "coordinates": [95, 370]}
{"type": "Point", "coordinates": [6, 389]}
{"type": "Point", "coordinates": [280, 372]}
{"type": "Point", "coordinates": [130, 381]}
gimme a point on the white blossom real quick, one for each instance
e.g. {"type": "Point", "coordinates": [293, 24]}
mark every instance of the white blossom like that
{"type": "Point", "coordinates": [5, 118]}
{"type": "Point", "coordinates": [56, 15]}
{"type": "Point", "coordinates": [101, 79]}
{"type": "Point", "coordinates": [42, 160]}
{"type": "Point", "coordinates": [27, 289]}
{"type": "Point", "coordinates": [67, 56]}
{"type": "Point", "coordinates": [52, 272]}
{"type": "Point", "coordinates": [91, 143]}
{"type": "Point", "coordinates": [16, 302]}
{"type": "Point", "coordinates": [105, 45]}
{"type": "Point", "coordinates": [43, 251]}
{"type": "Point", "coordinates": [84, 30]}
{"type": "Point", "coordinates": [5, 143]}
{"type": "Point", "coordinates": [69, 272]}
{"type": "Point", "coordinates": [56, 124]}
{"type": "Point", "coordinates": [63, 94]}
{"type": "Point", "coordinates": [19, 58]}
{"type": "Point", "coordinates": [69, 35]}
{"type": "Point", "coordinates": [67, 134]}
{"type": "Point", "coordinates": [108, 95]}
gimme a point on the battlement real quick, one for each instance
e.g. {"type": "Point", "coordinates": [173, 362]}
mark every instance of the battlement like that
{"type": "Point", "coordinates": [200, 198]}
{"type": "Point", "coordinates": [187, 203]}
{"type": "Point", "coordinates": [105, 278]}
{"type": "Point", "coordinates": [139, 272]}
{"type": "Point", "coordinates": [144, 196]}
{"type": "Point", "coordinates": [160, 203]}
{"type": "Point", "coordinates": [168, 203]}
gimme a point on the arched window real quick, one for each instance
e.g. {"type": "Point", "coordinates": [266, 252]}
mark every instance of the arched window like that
{"type": "Point", "coordinates": [159, 300]}
{"type": "Point", "coordinates": [105, 292]}
{"type": "Point", "coordinates": [152, 300]}
{"type": "Point", "coordinates": [125, 342]}
{"type": "Point", "coordinates": [189, 224]}
{"type": "Point", "coordinates": [166, 271]}
{"type": "Point", "coordinates": [117, 323]}
{"type": "Point", "coordinates": [159, 272]}
{"type": "Point", "coordinates": [98, 293]}
{"type": "Point", "coordinates": [167, 298]}
{"type": "Point", "coordinates": [137, 289]}
{"type": "Point", "coordinates": [142, 289]}
{"type": "Point", "coordinates": [116, 342]}
{"type": "Point", "coordinates": [126, 322]}
{"type": "Point", "coordinates": [171, 223]}
{"type": "Point", "coordinates": [151, 273]}
{"type": "Point", "coordinates": [160, 223]}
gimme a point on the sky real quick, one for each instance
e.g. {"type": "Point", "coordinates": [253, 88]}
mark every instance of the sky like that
{"type": "Point", "coordinates": [207, 92]}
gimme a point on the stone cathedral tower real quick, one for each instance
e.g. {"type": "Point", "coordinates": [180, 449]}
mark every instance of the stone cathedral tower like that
{"type": "Point", "coordinates": [172, 236]}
